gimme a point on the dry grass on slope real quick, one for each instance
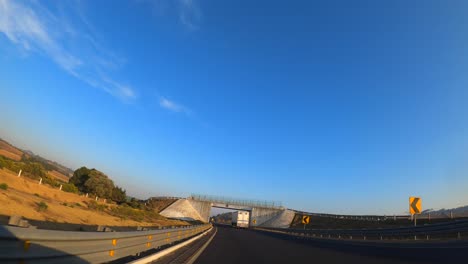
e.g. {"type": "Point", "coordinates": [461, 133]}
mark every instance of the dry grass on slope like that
{"type": "Point", "coordinates": [24, 195]}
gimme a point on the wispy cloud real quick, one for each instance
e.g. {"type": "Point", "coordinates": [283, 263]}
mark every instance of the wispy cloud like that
{"type": "Point", "coordinates": [68, 39]}
{"type": "Point", "coordinates": [173, 106]}
{"type": "Point", "coordinates": [190, 14]}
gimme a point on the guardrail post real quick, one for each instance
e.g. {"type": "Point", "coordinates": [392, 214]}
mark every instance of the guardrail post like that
{"type": "Point", "coordinates": [459, 235]}
{"type": "Point", "coordinates": [364, 237]}
{"type": "Point", "coordinates": [415, 237]}
{"type": "Point", "coordinates": [427, 237]}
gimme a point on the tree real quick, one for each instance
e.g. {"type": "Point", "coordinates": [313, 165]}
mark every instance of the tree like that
{"type": "Point", "coordinates": [95, 182]}
{"type": "Point", "coordinates": [99, 184]}
{"type": "Point", "coordinates": [80, 176]}
{"type": "Point", "coordinates": [119, 195]}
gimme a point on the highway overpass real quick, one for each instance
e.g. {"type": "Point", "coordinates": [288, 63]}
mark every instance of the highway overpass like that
{"type": "Point", "coordinates": [262, 213]}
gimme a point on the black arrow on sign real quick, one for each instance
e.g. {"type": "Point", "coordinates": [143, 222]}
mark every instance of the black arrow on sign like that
{"type": "Point", "coordinates": [414, 205]}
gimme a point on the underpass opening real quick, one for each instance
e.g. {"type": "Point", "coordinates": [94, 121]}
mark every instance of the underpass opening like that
{"type": "Point", "coordinates": [230, 217]}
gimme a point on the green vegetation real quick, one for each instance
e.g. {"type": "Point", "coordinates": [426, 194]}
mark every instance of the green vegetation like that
{"type": "Point", "coordinates": [126, 212]}
{"type": "Point", "coordinates": [97, 183]}
{"type": "Point", "coordinates": [69, 187]}
{"type": "Point", "coordinates": [3, 186]}
{"type": "Point", "coordinates": [118, 195]}
{"type": "Point", "coordinates": [37, 195]}
{"type": "Point", "coordinates": [31, 169]}
{"type": "Point", "coordinates": [93, 205]}
{"type": "Point", "coordinates": [50, 181]}
{"type": "Point", "coordinates": [42, 207]}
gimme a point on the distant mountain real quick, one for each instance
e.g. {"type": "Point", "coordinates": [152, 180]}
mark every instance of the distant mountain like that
{"type": "Point", "coordinates": [9, 151]}
{"type": "Point", "coordinates": [456, 212]}
{"type": "Point", "coordinates": [53, 165]}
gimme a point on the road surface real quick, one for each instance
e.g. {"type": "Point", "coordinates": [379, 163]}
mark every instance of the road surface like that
{"type": "Point", "coordinates": [247, 246]}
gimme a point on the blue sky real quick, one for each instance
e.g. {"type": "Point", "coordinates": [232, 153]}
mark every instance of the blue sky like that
{"type": "Point", "coordinates": [327, 106]}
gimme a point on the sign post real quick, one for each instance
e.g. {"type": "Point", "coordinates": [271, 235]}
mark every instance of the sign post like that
{"type": "Point", "coordinates": [305, 220]}
{"type": "Point", "coordinates": [415, 207]}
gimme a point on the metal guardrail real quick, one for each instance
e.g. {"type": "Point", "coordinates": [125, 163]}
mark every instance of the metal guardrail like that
{"type": "Point", "coordinates": [382, 217]}
{"type": "Point", "coordinates": [165, 198]}
{"type": "Point", "coordinates": [27, 245]}
{"type": "Point", "coordinates": [233, 201]}
{"type": "Point", "coordinates": [442, 231]}
{"type": "Point", "coordinates": [357, 217]}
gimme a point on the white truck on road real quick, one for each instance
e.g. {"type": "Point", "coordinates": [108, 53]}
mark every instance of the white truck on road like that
{"type": "Point", "coordinates": [240, 219]}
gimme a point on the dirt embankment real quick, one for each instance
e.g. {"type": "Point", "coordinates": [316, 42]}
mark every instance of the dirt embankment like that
{"type": "Point", "coordinates": [24, 195]}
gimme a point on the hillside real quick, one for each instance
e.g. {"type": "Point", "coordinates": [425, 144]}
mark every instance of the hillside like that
{"type": "Point", "coordinates": [54, 169]}
{"type": "Point", "coordinates": [454, 212]}
{"type": "Point", "coordinates": [9, 151]}
{"type": "Point", "coordinates": [24, 197]}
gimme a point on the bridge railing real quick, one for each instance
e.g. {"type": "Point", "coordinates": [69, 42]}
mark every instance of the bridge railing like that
{"type": "Point", "coordinates": [233, 201]}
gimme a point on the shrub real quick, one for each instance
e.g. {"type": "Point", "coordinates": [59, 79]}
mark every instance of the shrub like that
{"type": "Point", "coordinates": [3, 186]}
{"type": "Point", "coordinates": [50, 182]}
{"type": "Point", "coordinates": [37, 195]}
{"type": "Point", "coordinates": [119, 195]}
{"type": "Point", "coordinates": [69, 187]}
{"type": "Point", "coordinates": [126, 212]}
{"type": "Point", "coordinates": [137, 204]}
{"type": "Point", "coordinates": [42, 207]}
{"type": "Point", "coordinates": [78, 204]}
{"type": "Point", "coordinates": [93, 205]}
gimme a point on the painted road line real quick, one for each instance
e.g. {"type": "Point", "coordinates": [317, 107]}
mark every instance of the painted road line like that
{"type": "Point", "coordinates": [196, 255]}
{"type": "Point", "coordinates": [167, 251]}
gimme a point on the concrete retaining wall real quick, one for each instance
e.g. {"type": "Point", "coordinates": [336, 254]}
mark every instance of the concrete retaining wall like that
{"type": "Point", "coordinates": [259, 216]}
{"type": "Point", "coordinates": [182, 209]}
{"type": "Point", "coordinates": [281, 220]}
{"type": "Point", "coordinates": [203, 209]}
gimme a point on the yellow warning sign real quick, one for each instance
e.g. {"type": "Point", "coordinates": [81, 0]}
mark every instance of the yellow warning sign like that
{"type": "Point", "coordinates": [305, 219]}
{"type": "Point", "coordinates": [415, 205]}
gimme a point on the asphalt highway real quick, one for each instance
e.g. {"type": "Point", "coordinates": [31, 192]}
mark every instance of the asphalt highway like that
{"type": "Point", "coordinates": [232, 245]}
